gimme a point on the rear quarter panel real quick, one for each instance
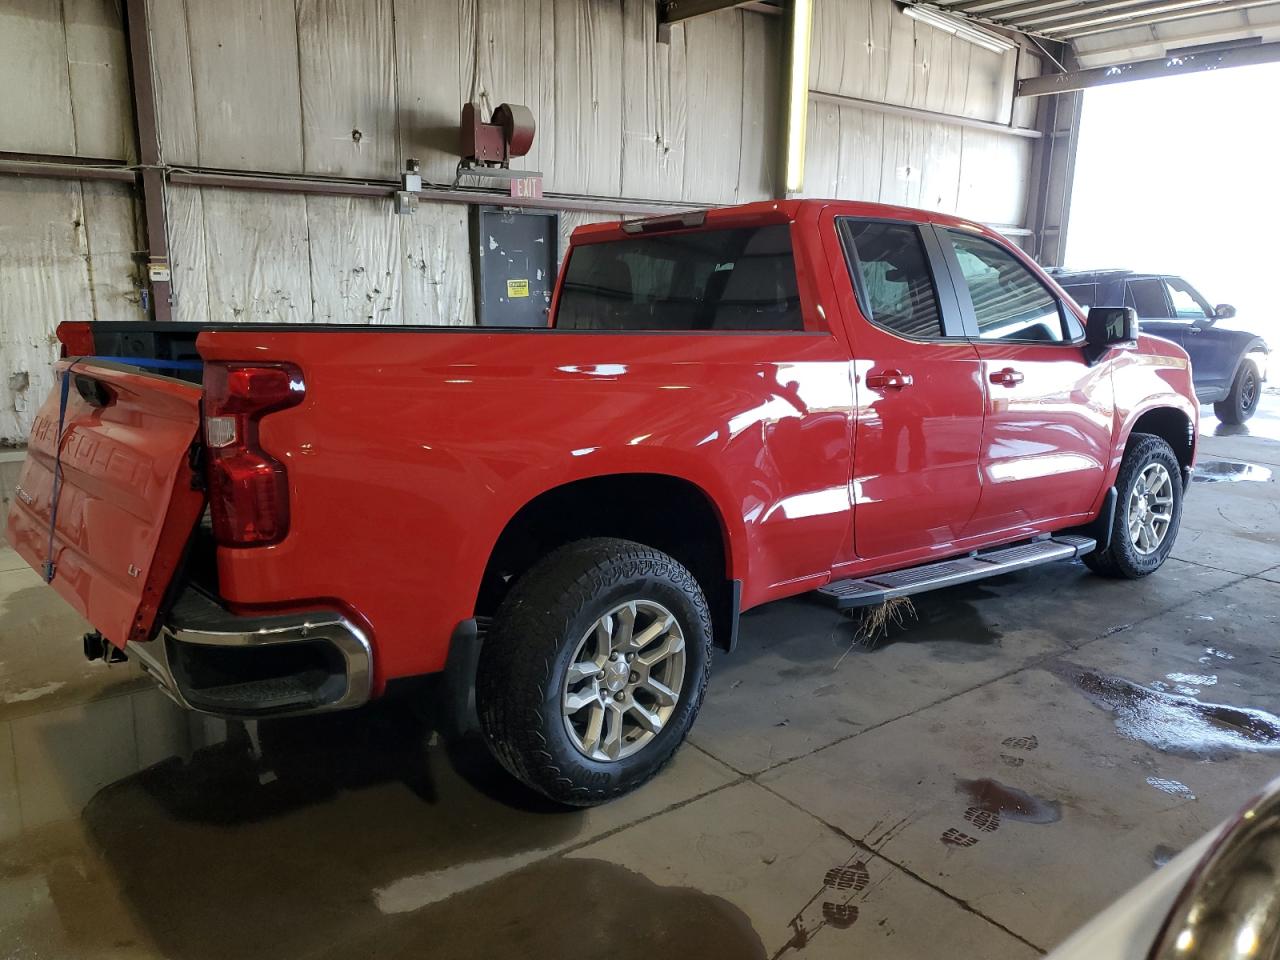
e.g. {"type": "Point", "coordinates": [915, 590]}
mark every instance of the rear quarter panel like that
{"type": "Point", "coordinates": [413, 449]}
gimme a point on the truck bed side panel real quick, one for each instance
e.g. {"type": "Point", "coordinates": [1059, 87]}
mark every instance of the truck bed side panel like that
{"type": "Point", "coordinates": [412, 450]}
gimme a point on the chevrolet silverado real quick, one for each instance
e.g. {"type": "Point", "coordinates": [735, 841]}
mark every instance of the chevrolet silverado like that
{"type": "Point", "coordinates": [725, 408]}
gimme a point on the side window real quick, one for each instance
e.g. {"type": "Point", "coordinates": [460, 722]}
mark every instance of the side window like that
{"type": "Point", "coordinates": [1187, 305]}
{"type": "Point", "coordinates": [893, 277]}
{"type": "Point", "coordinates": [1147, 297]}
{"type": "Point", "coordinates": [741, 279]}
{"type": "Point", "coordinates": [1009, 301]}
{"type": "Point", "coordinates": [1085, 294]}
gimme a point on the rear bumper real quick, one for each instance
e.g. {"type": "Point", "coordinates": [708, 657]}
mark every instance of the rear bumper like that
{"type": "Point", "coordinates": [213, 661]}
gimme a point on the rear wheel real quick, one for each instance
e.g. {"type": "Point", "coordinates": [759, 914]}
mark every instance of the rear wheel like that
{"type": "Point", "coordinates": [1148, 511]}
{"type": "Point", "coordinates": [1242, 401]}
{"type": "Point", "coordinates": [594, 669]}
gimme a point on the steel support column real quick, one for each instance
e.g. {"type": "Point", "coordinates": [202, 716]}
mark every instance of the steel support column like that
{"type": "Point", "coordinates": [151, 173]}
{"type": "Point", "coordinates": [1053, 173]}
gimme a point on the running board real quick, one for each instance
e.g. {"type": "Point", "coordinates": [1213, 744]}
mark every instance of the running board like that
{"type": "Point", "coordinates": [866, 591]}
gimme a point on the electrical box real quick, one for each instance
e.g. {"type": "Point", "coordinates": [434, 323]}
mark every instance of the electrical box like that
{"type": "Point", "coordinates": [516, 253]}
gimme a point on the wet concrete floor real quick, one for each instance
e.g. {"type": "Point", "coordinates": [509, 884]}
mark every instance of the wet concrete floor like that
{"type": "Point", "coordinates": [976, 781]}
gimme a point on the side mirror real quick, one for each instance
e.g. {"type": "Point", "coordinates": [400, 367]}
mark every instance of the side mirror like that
{"type": "Point", "coordinates": [1224, 311]}
{"type": "Point", "coordinates": [1108, 327]}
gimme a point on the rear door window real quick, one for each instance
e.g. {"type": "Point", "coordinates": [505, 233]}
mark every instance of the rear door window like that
{"type": "Point", "coordinates": [1148, 299]}
{"type": "Point", "coordinates": [741, 279]}
{"type": "Point", "coordinates": [1009, 301]}
{"type": "Point", "coordinates": [893, 278]}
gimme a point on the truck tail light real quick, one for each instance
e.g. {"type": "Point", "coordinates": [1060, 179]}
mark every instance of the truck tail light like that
{"type": "Point", "coordinates": [248, 488]}
{"type": "Point", "coordinates": [76, 337]}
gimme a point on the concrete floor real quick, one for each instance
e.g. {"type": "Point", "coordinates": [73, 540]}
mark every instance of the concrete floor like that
{"type": "Point", "coordinates": [976, 784]}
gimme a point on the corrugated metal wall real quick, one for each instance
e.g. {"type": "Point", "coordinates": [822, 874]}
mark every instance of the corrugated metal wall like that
{"type": "Point", "coordinates": [866, 49]}
{"type": "Point", "coordinates": [332, 88]}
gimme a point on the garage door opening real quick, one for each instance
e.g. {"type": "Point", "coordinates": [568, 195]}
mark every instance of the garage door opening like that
{"type": "Point", "coordinates": [1176, 176]}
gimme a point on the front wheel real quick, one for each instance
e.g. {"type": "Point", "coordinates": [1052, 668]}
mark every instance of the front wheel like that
{"type": "Point", "coordinates": [1148, 511]}
{"type": "Point", "coordinates": [594, 669]}
{"type": "Point", "coordinates": [1242, 401]}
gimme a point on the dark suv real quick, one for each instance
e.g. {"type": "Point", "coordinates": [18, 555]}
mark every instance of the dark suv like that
{"type": "Point", "coordinates": [1228, 365]}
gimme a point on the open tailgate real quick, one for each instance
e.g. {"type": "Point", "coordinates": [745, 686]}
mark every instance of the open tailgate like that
{"type": "Point", "coordinates": [127, 502]}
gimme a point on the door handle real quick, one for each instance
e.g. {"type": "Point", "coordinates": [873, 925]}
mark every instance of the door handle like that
{"type": "Point", "coordinates": [891, 379]}
{"type": "Point", "coordinates": [1008, 377]}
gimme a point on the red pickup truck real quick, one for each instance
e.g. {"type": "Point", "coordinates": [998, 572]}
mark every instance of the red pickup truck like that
{"type": "Point", "coordinates": [726, 408]}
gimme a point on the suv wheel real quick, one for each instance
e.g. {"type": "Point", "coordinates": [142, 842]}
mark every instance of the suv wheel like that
{"type": "Point", "coordinates": [1148, 511]}
{"type": "Point", "coordinates": [594, 669]}
{"type": "Point", "coordinates": [1242, 401]}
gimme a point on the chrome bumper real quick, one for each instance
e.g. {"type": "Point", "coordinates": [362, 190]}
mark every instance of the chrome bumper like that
{"type": "Point", "coordinates": [198, 627]}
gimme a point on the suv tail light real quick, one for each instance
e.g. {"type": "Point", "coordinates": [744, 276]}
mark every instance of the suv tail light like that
{"type": "Point", "coordinates": [248, 488]}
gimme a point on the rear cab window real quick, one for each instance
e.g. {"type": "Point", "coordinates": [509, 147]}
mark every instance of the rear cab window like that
{"type": "Point", "coordinates": [740, 279]}
{"type": "Point", "coordinates": [892, 276]}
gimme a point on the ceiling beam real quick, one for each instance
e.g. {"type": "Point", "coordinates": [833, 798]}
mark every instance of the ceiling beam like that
{"type": "Point", "coordinates": [1168, 66]}
{"type": "Point", "coordinates": [1010, 10]}
{"type": "Point", "coordinates": [1070, 33]}
{"type": "Point", "coordinates": [1110, 11]}
{"type": "Point", "coordinates": [677, 11]}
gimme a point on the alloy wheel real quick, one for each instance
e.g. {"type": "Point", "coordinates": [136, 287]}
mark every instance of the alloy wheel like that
{"type": "Point", "coordinates": [624, 680]}
{"type": "Point", "coordinates": [1150, 509]}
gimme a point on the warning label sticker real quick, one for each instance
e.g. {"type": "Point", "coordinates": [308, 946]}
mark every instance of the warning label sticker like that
{"type": "Point", "coordinates": [517, 288]}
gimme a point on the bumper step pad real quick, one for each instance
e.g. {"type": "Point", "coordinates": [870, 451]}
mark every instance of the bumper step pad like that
{"type": "Point", "coordinates": [867, 591]}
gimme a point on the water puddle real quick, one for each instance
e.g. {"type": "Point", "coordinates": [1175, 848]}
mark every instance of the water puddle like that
{"type": "Point", "coordinates": [1162, 854]}
{"type": "Point", "coordinates": [574, 907]}
{"type": "Point", "coordinates": [1178, 724]}
{"type": "Point", "coordinates": [1187, 684]}
{"type": "Point", "coordinates": [1172, 787]}
{"type": "Point", "coordinates": [1230, 471]}
{"type": "Point", "coordinates": [1009, 803]}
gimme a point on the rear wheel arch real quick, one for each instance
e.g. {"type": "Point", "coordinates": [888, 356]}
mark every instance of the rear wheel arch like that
{"type": "Point", "coordinates": [668, 513]}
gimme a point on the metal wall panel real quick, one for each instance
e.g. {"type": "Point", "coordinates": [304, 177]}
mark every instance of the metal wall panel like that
{"type": "Point", "coordinates": [244, 77]}
{"type": "Point", "coordinates": [429, 84]}
{"type": "Point", "coordinates": [241, 255]}
{"type": "Point", "coordinates": [354, 247]}
{"type": "Point", "coordinates": [435, 276]}
{"type": "Point", "coordinates": [51, 55]}
{"type": "Point", "coordinates": [868, 49]}
{"type": "Point", "coordinates": [334, 88]}
{"type": "Point", "coordinates": [859, 154]}
{"type": "Point", "coordinates": [112, 236]}
{"type": "Point", "coordinates": [67, 255]}
{"type": "Point", "coordinates": [586, 111]}
{"type": "Point", "coordinates": [99, 73]}
{"type": "Point", "coordinates": [346, 58]}
{"type": "Point", "coordinates": [257, 257]}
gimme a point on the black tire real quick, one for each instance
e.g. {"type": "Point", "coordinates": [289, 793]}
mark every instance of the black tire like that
{"type": "Point", "coordinates": [1242, 401]}
{"type": "Point", "coordinates": [1123, 558]}
{"type": "Point", "coordinates": [536, 633]}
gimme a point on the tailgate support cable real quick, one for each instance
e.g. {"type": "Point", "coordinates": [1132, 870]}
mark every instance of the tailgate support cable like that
{"type": "Point", "coordinates": [63, 390]}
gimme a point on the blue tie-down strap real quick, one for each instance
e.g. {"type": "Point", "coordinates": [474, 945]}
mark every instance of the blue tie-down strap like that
{"type": "Point", "coordinates": [64, 389]}
{"type": "Point", "coordinates": [152, 364]}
